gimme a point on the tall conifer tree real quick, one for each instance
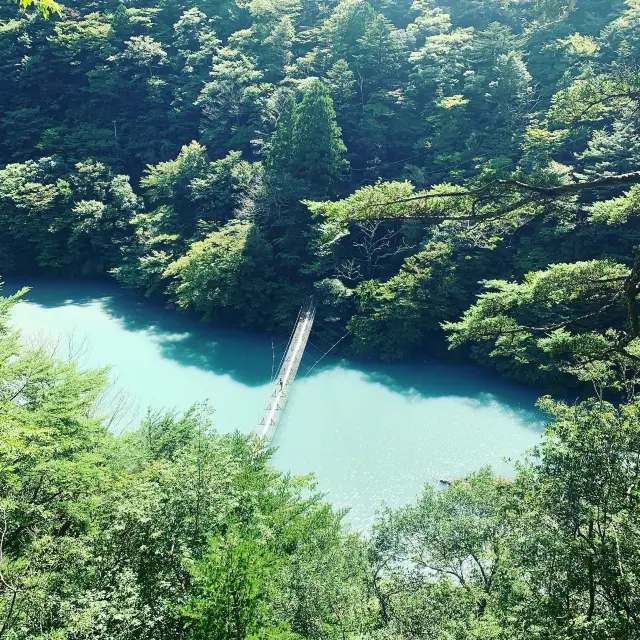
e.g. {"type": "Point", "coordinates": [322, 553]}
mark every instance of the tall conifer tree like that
{"type": "Point", "coordinates": [318, 150]}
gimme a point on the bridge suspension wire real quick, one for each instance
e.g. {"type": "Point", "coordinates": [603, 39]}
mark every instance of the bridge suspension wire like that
{"type": "Point", "coordinates": [333, 332]}
{"type": "Point", "coordinates": [273, 359]}
{"type": "Point", "coordinates": [287, 370]}
{"type": "Point", "coordinates": [316, 347]}
{"type": "Point", "coordinates": [315, 333]}
{"type": "Point", "coordinates": [325, 353]}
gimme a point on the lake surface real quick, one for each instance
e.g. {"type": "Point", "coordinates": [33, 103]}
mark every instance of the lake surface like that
{"type": "Point", "coordinates": [371, 433]}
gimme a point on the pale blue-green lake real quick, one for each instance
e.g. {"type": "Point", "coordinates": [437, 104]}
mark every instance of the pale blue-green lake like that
{"type": "Point", "coordinates": [372, 434]}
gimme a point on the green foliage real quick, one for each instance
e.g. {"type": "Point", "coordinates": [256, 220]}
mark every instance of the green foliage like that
{"type": "Point", "coordinates": [617, 210]}
{"type": "Point", "coordinates": [586, 533]}
{"type": "Point", "coordinates": [170, 531]}
{"type": "Point", "coordinates": [554, 320]}
{"type": "Point", "coordinates": [46, 7]}
{"type": "Point", "coordinates": [281, 150]}
{"type": "Point", "coordinates": [444, 558]}
{"type": "Point", "coordinates": [551, 554]}
{"type": "Point", "coordinates": [318, 149]}
{"type": "Point", "coordinates": [594, 97]}
{"type": "Point", "coordinates": [401, 104]}
{"type": "Point", "coordinates": [233, 587]}
{"type": "Point", "coordinates": [192, 195]}
{"type": "Point", "coordinates": [64, 220]}
{"type": "Point", "coordinates": [231, 104]}
{"type": "Point", "coordinates": [393, 317]}
{"type": "Point", "coordinates": [394, 199]}
{"type": "Point", "coordinates": [230, 270]}
{"type": "Point", "coordinates": [462, 143]}
{"type": "Point", "coordinates": [307, 143]}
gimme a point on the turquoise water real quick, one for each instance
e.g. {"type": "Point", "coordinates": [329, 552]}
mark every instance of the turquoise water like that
{"type": "Point", "coordinates": [371, 433]}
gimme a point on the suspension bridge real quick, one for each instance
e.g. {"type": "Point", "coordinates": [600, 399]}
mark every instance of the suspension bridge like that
{"type": "Point", "coordinates": [283, 380]}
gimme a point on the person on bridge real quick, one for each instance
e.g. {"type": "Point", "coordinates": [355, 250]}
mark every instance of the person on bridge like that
{"type": "Point", "coordinates": [280, 381]}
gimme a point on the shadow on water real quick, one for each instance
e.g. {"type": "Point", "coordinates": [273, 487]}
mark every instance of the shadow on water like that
{"type": "Point", "coordinates": [478, 386]}
{"type": "Point", "coordinates": [244, 356]}
{"type": "Point", "coordinates": [247, 357]}
{"type": "Point", "coordinates": [470, 384]}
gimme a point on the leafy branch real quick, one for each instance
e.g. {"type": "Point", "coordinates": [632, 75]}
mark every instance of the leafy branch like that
{"type": "Point", "coordinates": [548, 192]}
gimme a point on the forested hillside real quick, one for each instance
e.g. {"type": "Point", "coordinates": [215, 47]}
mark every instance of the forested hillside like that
{"type": "Point", "coordinates": [181, 148]}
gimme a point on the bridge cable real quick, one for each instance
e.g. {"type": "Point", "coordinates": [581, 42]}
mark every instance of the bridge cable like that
{"type": "Point", "coordinates": [317, 361]}
{"type": "Point", "coordinates": [273, 359]}
{"type": "Point", "coordinates": [306, 367]}
{"type": "Point", "coordinates": [315, 333]}
{"type": "Point", "coordinates": [315, 347]}
{"type": "Point", "coordinates": [332, 331]}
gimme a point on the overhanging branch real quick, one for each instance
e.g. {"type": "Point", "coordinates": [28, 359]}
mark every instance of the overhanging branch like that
{"type": "Point", "coordinates": [632, 177]}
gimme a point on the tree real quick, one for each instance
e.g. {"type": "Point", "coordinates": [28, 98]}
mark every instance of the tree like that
{"type": "Point", "coordinates": [192, 196]}
{"type": "Point", "coordinates": [342, 82]}
{"type": "Point", "coordinates": [437, 563]}
{"type": "Point", "coordinates": [558, 320]}
{"type": "Point", "coordinates": [380, 54]}
{"type": "Point", "coordinates": [552, 553]}
{"type": "Point", "coordinates": [581, 553]}
{"type": "Point", "coordinates": [69, 221]}
{"type": "Point", "coordinates": [190, 189]}
{"type": "Point", "coordinates": [305, 156]}
{"type": "Point", "coordinates": [53, 456]}
{"type": "Point", "coordinates": [393, 317]}
{"type": "Point", "coordinates": [232, 585]}
{"type": "Point", "coordinates": [270, 38]}
{"type": "Point", "coordinates": [227, 273]}
{"type": "Point", "coordinates": [346, 24]}
{"type": "Point", "coordinates": [318, 150]}
{"type": "Point", "coordinates": [232, 102]}
{"type": "Point", "coordinates": [280, 152]}
{"type": "Point", "coordinates": [169, 531]}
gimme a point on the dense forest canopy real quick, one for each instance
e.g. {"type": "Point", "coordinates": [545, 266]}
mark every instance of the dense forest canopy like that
{"type": "Point", "coordinates": [236, 155]}
{"type": "Point", "coordinates": [461, 173]}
